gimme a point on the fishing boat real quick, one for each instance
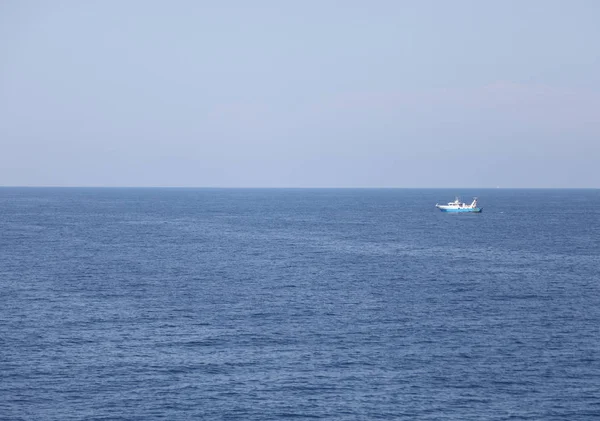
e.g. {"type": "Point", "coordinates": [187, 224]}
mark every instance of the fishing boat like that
{"type": "Point", "coordinates": [458, 206]}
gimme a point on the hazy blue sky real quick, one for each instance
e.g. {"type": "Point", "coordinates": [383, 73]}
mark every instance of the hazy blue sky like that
{"type": "Point", "coordinates": [300, 93]}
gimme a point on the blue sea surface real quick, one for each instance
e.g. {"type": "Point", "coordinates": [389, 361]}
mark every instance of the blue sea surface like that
{"type": "Point", "coordinates": [273, 304]}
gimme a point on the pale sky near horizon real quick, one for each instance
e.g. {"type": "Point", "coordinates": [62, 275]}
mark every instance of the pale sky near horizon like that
{"type": "Point", "coordinates": [312, 93]}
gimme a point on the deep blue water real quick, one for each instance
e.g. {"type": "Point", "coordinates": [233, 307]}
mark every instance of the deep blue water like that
{"type": "Point", "coordinates": [176, 304]}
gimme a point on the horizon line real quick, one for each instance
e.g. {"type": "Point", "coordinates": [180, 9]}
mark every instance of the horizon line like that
{"type": "Point", "coordinates": [292, 187]}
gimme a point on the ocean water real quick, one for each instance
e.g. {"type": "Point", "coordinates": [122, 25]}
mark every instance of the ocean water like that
{"type": "Point", "coordinates": [250, 304]}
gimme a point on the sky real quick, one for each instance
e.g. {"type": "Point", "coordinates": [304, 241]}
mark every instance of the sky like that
{"type": "Point", "coordinates": [311, 93]}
